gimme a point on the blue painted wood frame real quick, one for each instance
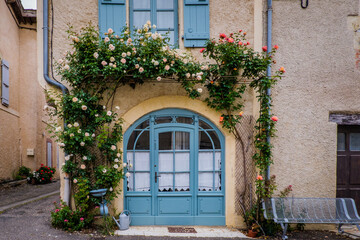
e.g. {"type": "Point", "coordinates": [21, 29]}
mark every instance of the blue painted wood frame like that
{"type": "Point", "coordinates": [162, 208]}
{"type": "Point", "coordinates": [153, 18]}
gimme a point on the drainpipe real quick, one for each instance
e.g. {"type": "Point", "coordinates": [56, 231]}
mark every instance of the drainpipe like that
{"type": "Point", "coordinates": [268, 70]}
{"type": "Point", "coordinates": [52, 81]}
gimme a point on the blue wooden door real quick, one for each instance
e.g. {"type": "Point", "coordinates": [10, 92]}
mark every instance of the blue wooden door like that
{"type": "Point", "coordinates": [174, 175]}
{"type": "Point", "coordinates": [175, 161]}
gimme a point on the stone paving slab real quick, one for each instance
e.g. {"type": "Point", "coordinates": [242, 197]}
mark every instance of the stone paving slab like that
{"type": "Point", "coordinates": [202, 232]}
{"type": "Point", "coordinates": [26, 191]}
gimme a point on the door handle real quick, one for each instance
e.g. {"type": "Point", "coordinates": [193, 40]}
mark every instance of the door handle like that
{"type": "Point", "coordinates": [156, 177]}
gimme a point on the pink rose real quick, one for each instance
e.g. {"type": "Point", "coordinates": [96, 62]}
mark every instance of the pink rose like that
{"type": "Point", "coordinates": [276, 47]}
{"type": "Point", "coordinates": [259, 177]}
{"type": "Point", "coordinates": [202, 50]}
{"type": "Point", "coordinates": [264, 48]}
{"type": "Point", "coordinates": [274, 118]}
{"type": "Point", "coordinates": [222, 35]}
{"type": "Point", "coordinates": [230, 40]}
{"type": "Point", "coordinates": [81, 219]}
{"type": "Point", "coordinates": [104, 63]}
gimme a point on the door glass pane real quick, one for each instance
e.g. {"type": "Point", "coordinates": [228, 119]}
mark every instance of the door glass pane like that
{"type": "Point", "coordinates": [204, 125]}
{"type": "Point", "coordinates": [132, 139]}
{"type": "Point", "coordinates": [218, 181]}
{"type": "Point", "coordinates": [165, 182]}
{"type": "Point", "coordinates": [165, 141]}
{"type": "Point", "coordinates": [142, 182]}
{"type": "Point", "coordinates": [186, 120]}
{"type": "Point", "coordinates": [165, 20]}
{"type": "Point", "coordinates": [141, 4]}
{"type": "Point", "coordinates": [142, 161]}
{"type": "Point", "coordinates": [140, 18]}
{"type": "Point", "coordinates": [182, 161]}
{"type": "Point", "coordinates": [205, 181]}
{"type": "Point", "coordinates": [341, 142]}
{"type": "Point", "coordinates": [163, 120]}
{"type": "Point", "coordinates": [205, 161]}
{"type": "Point", "coordinates": [165, 4]}
{"type": "Point", "coordinates": [166, 162]}
{"type": "Point", "coordinates": [143, 142]}
{"type": "Point", "coordinates": [215, 139]}
{"type": "Point", "coordinates": [182, 140]}
{"type": "Point", "coordinates": [204, 141]}
{"type": "Point", "coordinates": [143, 125]}
{"type": "Point", "coordinates": [354, 141]}
{"type": "Point", "coordinates": [217, 160]}
{"type": "Point", "coordinates": [130, 160]}
{"type": "Point", "coordinates": [130, 182]}
{"type": "Point", "coordinates": [182, 182]}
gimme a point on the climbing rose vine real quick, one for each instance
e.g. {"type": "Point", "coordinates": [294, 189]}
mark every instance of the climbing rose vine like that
{"type": "Point", "coordinates": [98, 65]}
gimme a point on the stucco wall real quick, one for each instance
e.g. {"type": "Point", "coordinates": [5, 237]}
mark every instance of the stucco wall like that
{"type": "Point", "coordinates": [317, 51]}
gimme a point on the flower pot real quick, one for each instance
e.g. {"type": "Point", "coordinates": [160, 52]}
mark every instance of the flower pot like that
{"type": "Point", "coordinates": [252, 233]}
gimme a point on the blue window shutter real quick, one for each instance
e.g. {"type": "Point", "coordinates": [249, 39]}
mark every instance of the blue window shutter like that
{"type": "Point", "coordinates": [112, 14]}
{"type": "Point", "coordinates": [5, 83]}
{"type": "Point", "coordinates": [196, 23]}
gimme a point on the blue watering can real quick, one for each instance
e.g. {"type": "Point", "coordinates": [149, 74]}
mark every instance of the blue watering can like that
{"type": "Point", "coordinates": [124, 220]}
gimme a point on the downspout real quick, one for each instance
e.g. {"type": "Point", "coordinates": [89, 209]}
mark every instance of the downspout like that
{"type": "Point", "coordinates": [52, 81]}
{"type": "Point", "coordinates": [268, 70]}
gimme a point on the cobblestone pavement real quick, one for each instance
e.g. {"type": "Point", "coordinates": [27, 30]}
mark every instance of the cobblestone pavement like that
{"type": "Point", "coordinates": [25, 191]}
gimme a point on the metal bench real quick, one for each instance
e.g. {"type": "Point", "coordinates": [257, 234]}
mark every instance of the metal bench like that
{"type": "Point", "coordinates": [338, 211]}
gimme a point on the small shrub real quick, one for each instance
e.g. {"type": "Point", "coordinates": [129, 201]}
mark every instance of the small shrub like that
{"type": "Point", "coordinates": [23, 173]}
{"type": "Point", "coordinates": [70, 220]}
{"type": "Point", "coordinates": [43, 175]}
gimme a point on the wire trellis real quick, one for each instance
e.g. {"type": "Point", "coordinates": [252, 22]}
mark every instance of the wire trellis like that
{"type": "Point", "coordinates": [245, 172]}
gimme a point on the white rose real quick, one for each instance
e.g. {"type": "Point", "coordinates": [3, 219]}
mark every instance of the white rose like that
{"type": "Point", "coordinates": [124, 164]}
{"type": "Point", "coordinates": [83, 107]}
{"type": "Point", "coordinates": [127, 174]}
{"type": "Point", "coordinates": [75, 180]}
{"type": "Point", "coordinates": [76, 124]}
{"type": "Point", "coordinates": [87, 134]}
{"type": "Point", "coordinates": [113, 147]}
{"type": "Point", "coordinates": [83, 166]}
{"type": "Point", "coordinates": [85, 158]}
{"type": "Point", "coordinates": [93, 135]}
{"type": "Point", "coordinates": [199, 90]}
{"type": "Point", "coordinates": [158, 79]}
{"type": "Point", "coordinates": [67, 158]}
{"type": "Point", "coordinates": [108, 113]}
{"type": "Point", "coordinates": [104, 171]}
{"type": "Point", "coordinates": [82, 144]}
{"type": "Point", "coordinates": [69, 125]}
{"type": "Point", "coordinates": [72, 135]}
{"type": "Point", "coordinates": [116, 166]}
{"type": "Point", "coordinates": [111, 189]}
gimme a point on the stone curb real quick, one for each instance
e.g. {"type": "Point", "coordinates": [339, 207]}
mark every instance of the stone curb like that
{"type": "Point", "coordinates": [17, 204]}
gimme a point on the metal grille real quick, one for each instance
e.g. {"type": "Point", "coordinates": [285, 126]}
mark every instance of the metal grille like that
{"type": "Point", "coordinates": [245, 172]}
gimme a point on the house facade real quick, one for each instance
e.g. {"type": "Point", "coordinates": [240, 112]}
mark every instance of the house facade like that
{"type": "Point", "coordinates": [187, 170]}
{"type": "Point", "coordinates": [23, 141]}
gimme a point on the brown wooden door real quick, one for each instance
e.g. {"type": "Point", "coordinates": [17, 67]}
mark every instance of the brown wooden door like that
{"type": "Point", "coordinates": [348, 163]}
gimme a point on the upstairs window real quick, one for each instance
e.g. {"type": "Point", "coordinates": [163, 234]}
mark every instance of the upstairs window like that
{"type": "Point", "coordinates": [162, 13]}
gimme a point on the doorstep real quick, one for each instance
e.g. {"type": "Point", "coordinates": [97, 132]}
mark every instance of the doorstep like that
{"type": "Point", "coordinates": [162, 231]}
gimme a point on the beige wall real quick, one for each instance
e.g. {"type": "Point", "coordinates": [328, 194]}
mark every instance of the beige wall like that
{"type": "Point", "coordinates": [317, 50]}
{"type": "Point", "coordinates": [21, 123]}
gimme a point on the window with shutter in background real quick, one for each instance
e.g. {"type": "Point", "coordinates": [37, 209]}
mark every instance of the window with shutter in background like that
{"type": "Point", "coordinates": [4, 83]}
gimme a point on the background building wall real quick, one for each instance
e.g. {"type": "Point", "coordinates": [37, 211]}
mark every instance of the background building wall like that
{"type": "Point", "coordinates": [317, 51]}
{"type": "Point", "coordinates": [21, 125]}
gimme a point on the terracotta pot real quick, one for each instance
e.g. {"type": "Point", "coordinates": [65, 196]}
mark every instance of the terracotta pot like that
{"type": "Point", "coordinates": [252, 233]}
